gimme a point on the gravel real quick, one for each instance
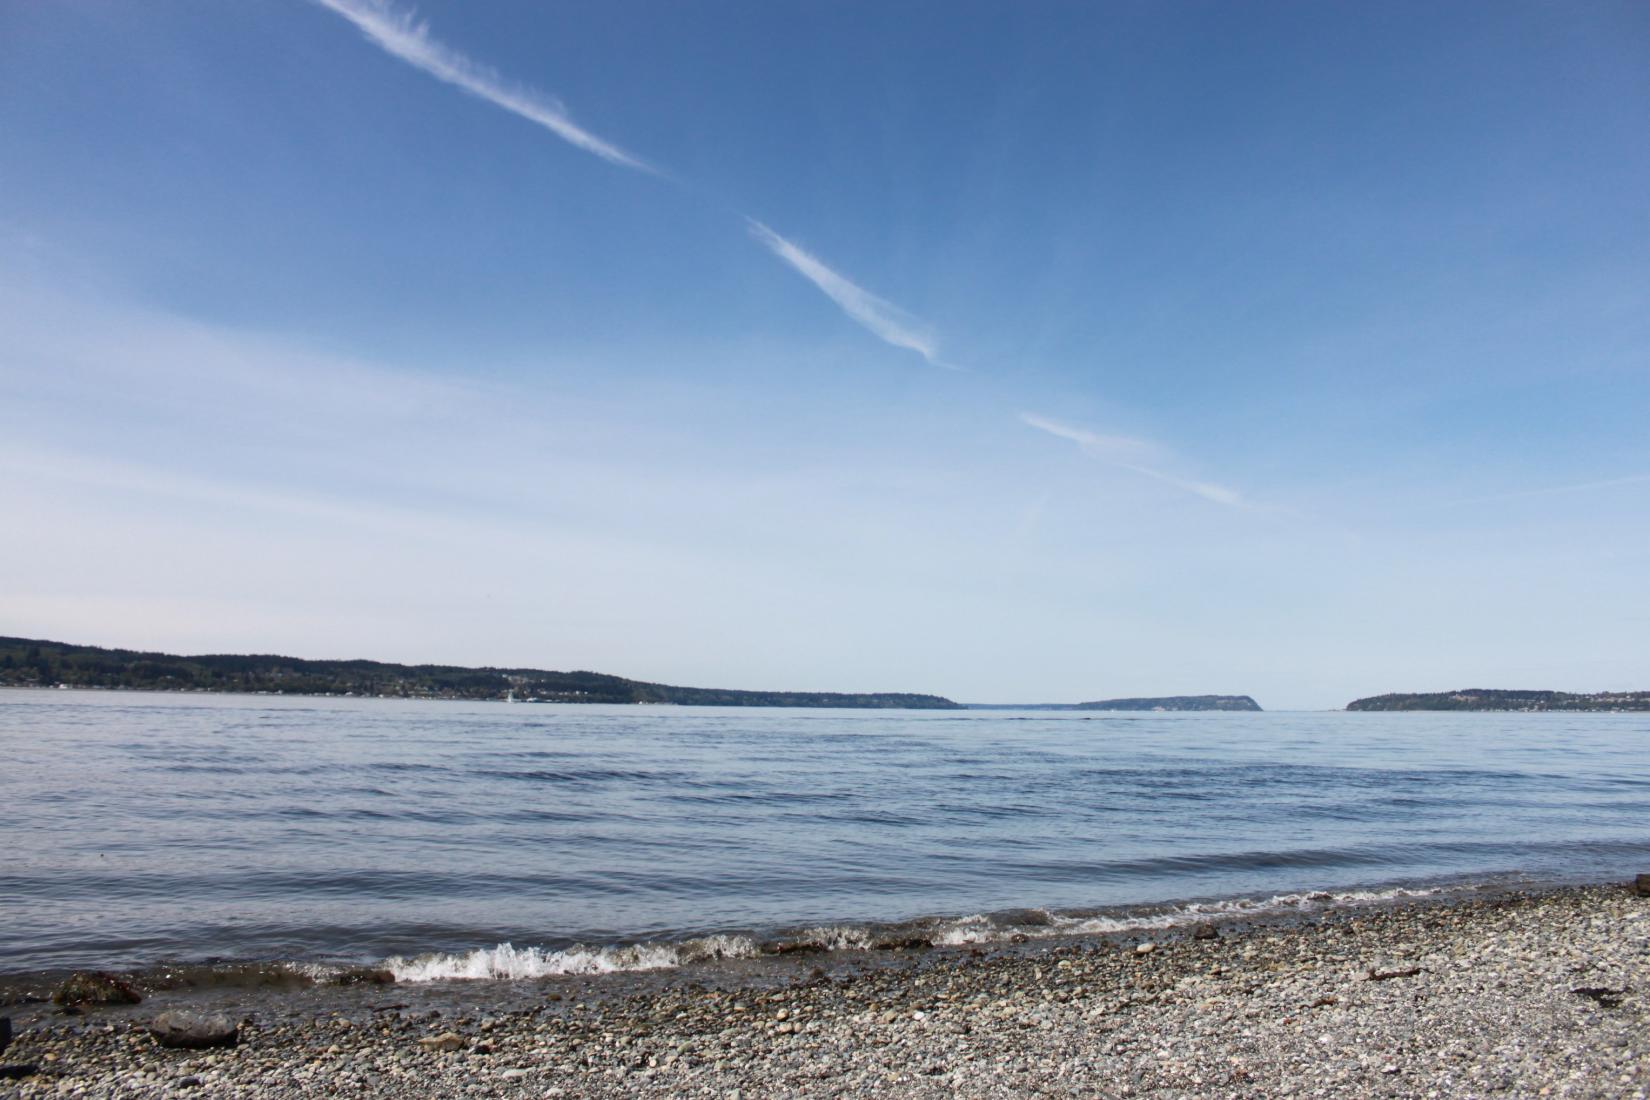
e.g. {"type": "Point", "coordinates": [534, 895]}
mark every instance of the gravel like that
{"type": "Point", "coordinates": [1523, 995]}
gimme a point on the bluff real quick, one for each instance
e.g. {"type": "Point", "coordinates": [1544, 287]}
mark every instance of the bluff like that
{"type": "Point", "coordinates": [1175, 702]}
{"type": "Point", "coordinates": [30, 662]}
{"type": "Point", "coordinates": [1500, 699]}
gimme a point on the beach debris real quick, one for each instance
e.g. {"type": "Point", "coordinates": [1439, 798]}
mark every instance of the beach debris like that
{"type": "Point", "coordinates": [1388, 975]}
{"type": "Point", "coordinates": [1324, 1002]}
{"type": "Point", "coordinates": [1205, 931]}
{"type": "Point", "coordinates": [194, 1030]}
{"type": "Point", "coordinates": [446, 1041]}
{"type": "Point", "coordinates": [1609, 998]}
{"type": "Point", "coordinates": [89, 987]}
{"type": "Point", "coordinates": [1641, 886]}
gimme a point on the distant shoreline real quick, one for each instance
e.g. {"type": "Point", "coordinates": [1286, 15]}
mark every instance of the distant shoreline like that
{"type": "Point", "coordinates": [1509, 700]}
{"type": "Point", "coordinates": [34, 662]}
{"type": "Point", "coordinates": [42, 664]}
{"type": "Point", "coordinates": [39, 663]}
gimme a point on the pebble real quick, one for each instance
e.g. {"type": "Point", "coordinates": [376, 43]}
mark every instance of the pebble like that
{"type": "Point", "coordinates": [447, 1041]}
{"type": "Point", "coordinates": [1260, 1011]}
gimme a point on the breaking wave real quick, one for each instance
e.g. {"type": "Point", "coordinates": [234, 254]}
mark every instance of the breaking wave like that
{"type": "Point", "coordinates": [510, 963]}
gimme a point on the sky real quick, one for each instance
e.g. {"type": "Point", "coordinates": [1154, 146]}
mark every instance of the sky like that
{"type": "Point", "coordinates": [1016, 353]}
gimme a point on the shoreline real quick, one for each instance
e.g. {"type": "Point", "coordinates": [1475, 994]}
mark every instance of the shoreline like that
{"type": "Point", "coordinates": [705, 953]}
{"type": "Point", "coordinates": [1507, 994]}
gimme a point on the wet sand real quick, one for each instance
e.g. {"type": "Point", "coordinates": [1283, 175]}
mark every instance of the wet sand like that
{"type": "Point", "coordinates": [1524, 994]}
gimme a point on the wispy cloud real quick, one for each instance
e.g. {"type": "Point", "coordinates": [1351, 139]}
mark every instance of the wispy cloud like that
{"type": "Point", "coordinates": [1132, 454]}
{"type": "Point", "coordinates": [402, 35]}
{"type": "Point", "coordinates": [1112, 448]}
{"type": "Point", "coordinates": [887, 321]}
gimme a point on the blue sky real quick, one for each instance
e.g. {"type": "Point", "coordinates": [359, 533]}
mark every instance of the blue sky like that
{"type": "Point", "coordinates": [1012, 352]}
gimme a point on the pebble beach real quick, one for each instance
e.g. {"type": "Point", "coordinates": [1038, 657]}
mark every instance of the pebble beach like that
{"type": "Point", "coordinates": [1524, 995]}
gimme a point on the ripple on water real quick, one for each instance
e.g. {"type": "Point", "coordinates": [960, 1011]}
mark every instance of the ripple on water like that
{"type": "Point", "coordinates": [272, 828]}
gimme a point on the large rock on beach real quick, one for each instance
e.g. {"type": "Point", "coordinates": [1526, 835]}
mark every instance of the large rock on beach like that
{"type": "Point", "coordinates": [1641, 886]}
{"type": "Point", "coordinates": [194, 1030]}
{"type": "Point", "coordinates": [86, 987]}
{"type": "Point", "coordinates": [446, 1041]}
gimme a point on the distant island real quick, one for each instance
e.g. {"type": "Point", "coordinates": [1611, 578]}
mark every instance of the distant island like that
{"type": "Point", "coordinates": [1495, 699]}
{"type": "Point", "coordinates": [29, 662]}
{"type": "Point", "coordinates": [1174, 702]}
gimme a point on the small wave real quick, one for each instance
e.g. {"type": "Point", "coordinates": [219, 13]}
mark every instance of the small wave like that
{"type": "Point", "coordinates": [511, 963]}
{"type": "Point", "coordinates": [983, 929]}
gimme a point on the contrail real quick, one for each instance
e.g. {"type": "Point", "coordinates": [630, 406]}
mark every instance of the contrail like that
{"type": "Point", "coordinates": [1128, 453]}
{"type": "Point", "coordinates": [886, 320]}
{"type": "Point", "coordinates": [401, 35]}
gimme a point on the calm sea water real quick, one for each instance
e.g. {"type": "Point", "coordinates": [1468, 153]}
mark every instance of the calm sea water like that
{"type": "Point", "coordinates": [140, 828]}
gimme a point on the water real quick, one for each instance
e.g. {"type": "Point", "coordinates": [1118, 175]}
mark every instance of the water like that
{"type": "Point", "coordinates": [148, 828]}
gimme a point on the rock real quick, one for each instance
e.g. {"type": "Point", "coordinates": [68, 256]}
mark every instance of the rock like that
{"type": "Point", "coordinates": [86, 987]}
{"type": "Point", "coordinates": [1609, 998]}
{"type": "Point", "coordinates": [1146, 948]}
{"type": "Point", "coordinates": [789, 947]}
{"type": "Point", "coordinates": [1205, 932]}
{"type": "Point", "coordinates": [364, 975]}
{"type": "Point", "coordinates": [447, 1040]}
{"type": "Point", "coordinates": [18, 1072]}
{"type": "Point", "coordinates": [189, 1082]}
{"type": "Point", "coordinates": [1641, 886]}
{"type": "Point", "coordinates": [193, 1030]}
{"type": "Point", "coordinates": [5, 1033]}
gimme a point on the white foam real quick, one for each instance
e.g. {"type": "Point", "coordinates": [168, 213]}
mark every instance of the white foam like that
{"type": "Point", "coordinates": [319, 973]}
{"type": "Point", "coordinates": [508, 962]}
{"type": "Point", "coordinates": [839, 937]}
{"type": "Point", "coordinates": [978, 929]}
